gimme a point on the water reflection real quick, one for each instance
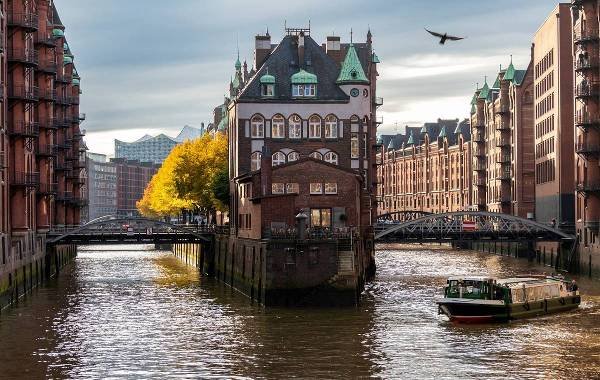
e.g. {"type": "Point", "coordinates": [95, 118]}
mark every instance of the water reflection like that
{"type": "Point", "coordinates": [142, 314]}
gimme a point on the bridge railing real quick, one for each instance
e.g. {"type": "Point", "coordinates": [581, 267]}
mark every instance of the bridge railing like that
{"type": "Point", "coordinates": [291, 233]}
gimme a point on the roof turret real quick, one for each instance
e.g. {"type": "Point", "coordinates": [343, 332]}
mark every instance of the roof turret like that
{"type": "Point", "coordinates": [304, 77]}
{"type": "Point", "coordinates": [352, 70]}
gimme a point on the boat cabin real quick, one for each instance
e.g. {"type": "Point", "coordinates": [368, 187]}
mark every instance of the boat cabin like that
{"type": "Point", "coordinates": [478, 287]}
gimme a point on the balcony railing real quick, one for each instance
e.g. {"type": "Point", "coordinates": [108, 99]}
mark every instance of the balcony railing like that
{"type": "Point", "coordinates": [61, 122]}
{"type": "Point", "coordinates": [592, 224]}
{"type": "Point", "coordinates": [23, 93]}
{"type": "Point", "coordinates": [79, 202]}
{"type": "Point", "coordinates": [49, 95]}
{"type": "Point", "coordinates": [588, 186]}
{"type": "Point", "coordinates": [79, 164]}
{"type": "Point", "coordinates": [47, 66]}
{"type": "Point", "coordinates": [586, 90]}
{"type": "Point", "coordinates": [64, 196]}
{"type": "Point", "coordinates": [61, 99]}
{"type": "Point", "coordinates": [61, 78]}
{"type": "Point", "coordinates": [503, 125]}
{"type": "Point", "coordinates": [503, 107]}
{"type": "Point", "coordinates": [504, 176]}
{"type": "Point", "coordinates": [585, 64]}
{"type": "Point", "coordinates": [583, 35]}
{"type": "Point", "coordinates": [24, 20]}
{"type": "Point", "coordinates": [44, 39]}
{"type": "Point", "coordinates": [25, 129]}
{"type": "Point", "coordinates": [503, 159]}
{"type": "Point", "coordinates": [585, 148]}
{"type": "Point", "coordinates": [586, 119]}
{"type": "Point", "coordinates": [23, 55]}
{"type": "Point", "coordinates": [479, 166]}
{"type": "Point", "coordinates": [48, 188]}
{"type": "Point", "coordinates": [46, 150]}
{"type": "Point", "coordinates": [502, 141]}
{"type": "Point", "coordinates": [480, 182]}
{"type": "Point", "coordinates": [479, 151]}
{"type": "Point", "coordinates": [79, 133]}
{"type": "Point", "coordinates": [379, 120]}
{"type": "Point", "coordinates": [478, 137]}
{"type": "Point", "coordinates": [25, 179]}
{"type": "Point", "coordinates": [378, 101]}
{"type": "Point", "coordinates": [82, 117]}
{"type": "Point", "coordinates": [502, 199]}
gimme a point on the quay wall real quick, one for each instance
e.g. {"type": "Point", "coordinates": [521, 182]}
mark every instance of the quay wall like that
{"type": "Point", "coordinates": [282, 272]}
{"type": "Point", "coordinates": [27, 263]}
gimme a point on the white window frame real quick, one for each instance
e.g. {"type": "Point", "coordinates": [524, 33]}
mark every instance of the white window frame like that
{"type": "Point", "coordinates": [278, 158]}
{"type": "Point", "coordinates": [331, 127]}
{"type": "Point", "coordinates": [293, 156]}
{"type": "Point", "coordinates": [278, 127]}
{"type": "Point", "coordinates": [277, 188]}
{"type": "Point", "coordinates": [257, 127]}
{"type": "Point", "coordinates": [255, 161]}
{"type": "Point", "coordinates": [354, 146]}
{"type": "Point", "coordinates": [331, 157]}
{"type": "Point", "coordinates": [314, 127]}
{"type": "Point", "coordinates": [268, 90]}
{"type": "Point", "coordinates": [333, 189]}
{"type": "Point", "coordinates": [295, 127]}
{"type": "Point", "coordinates": [292, 188]}
{"type": "Point", "coordinates": [316, 188]}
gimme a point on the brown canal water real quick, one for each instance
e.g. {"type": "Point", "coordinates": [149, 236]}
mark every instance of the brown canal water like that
{"type": "Point", "coordinates": [137, 314]}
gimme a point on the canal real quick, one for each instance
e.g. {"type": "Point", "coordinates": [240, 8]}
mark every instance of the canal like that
{"type": "Point", "coordinates": [135, 313]}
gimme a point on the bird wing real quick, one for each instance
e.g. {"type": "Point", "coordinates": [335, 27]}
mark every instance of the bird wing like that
{"type": "Point", "coordinates": [434, 33]}
{"type": "Point", "coordinates": [453, 38]}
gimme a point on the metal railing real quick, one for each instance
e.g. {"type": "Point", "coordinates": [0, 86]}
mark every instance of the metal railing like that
{"type": "Point", "coordinates": [587, 34]}
{"type": "Point", "coordinates": [44, 39]}
{"type": "Point", "coordinates": [30, 93]}
{"type": "Point", "coordinates": [46, 150]}
{"type": "Point", "coordinates": [25, 179]}
{"type": "Point", "coordinates": [49, 95]}
{"type": "Point", "coordinates": [583, 119]}
{"type": "Point", "coordinates": [503, 159]}
{"type": "Point", "coordinates": [479, 151]}
{"type": "Point", "coordinates": [588, 186]}
{"type": "Point", "coordinates": [24, 20]}
{"type": "Point", "coordinates": [502, 199]}
{"type": "Point", "coordinates": [62, 78]}
{"type": "Point", "coordinates": [586, 148]}
{"type": "Point", "coordinates": [23, 55]}
{"type": "Point", "coordinates": [22, 128]}
{"type": "Point", "coordinates": [61, 99]}
{"type": "Point", "coordinates": [584, 89]}
{"type": "Point", "coordinates": [378, 101]}
{"type": "Point", "coordinates": [585, 64]}
{"type": "Point", "coordinates": [478, 137]}
{"type": "Point", "coordinates": [479, 166]}
{"type": "Point", "coordinates": [64, 196]}
{"type": "Point", "coordinates": [48, 188]}
{"type": "Point", "coordinates": [503, 125]}
{"type": "Point", "coordinates": [47, 66]}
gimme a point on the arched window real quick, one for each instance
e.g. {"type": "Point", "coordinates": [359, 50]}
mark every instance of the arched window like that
{"type": "Point", "coordinates": [295, 125]}
{"type": "Point", "coordinates": [316, 155]}
{"type": "Point", "coordinates": [255, 161]}
{"type": "Point", "coordinates": [278, 158]}
{"type": "Point", "coordinates": [331, 157]}
{"type": "Point", "coordinates": [258, 127]}
{"type": "Point", "coordinates": [278, 127]}
{"type": "Point", "coordinates": [331, 127]}
{"type": "Point", "coordinates": [293, 156]}
{"type": "Point", "coordinates": [314, 127]}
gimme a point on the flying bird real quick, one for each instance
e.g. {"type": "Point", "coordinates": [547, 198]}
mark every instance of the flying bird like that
{"type": "Point", "coordinates": [444, 37]}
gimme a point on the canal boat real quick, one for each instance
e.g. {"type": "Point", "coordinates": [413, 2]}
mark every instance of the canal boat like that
{"type": "Point", "coordinates": [487, 299]}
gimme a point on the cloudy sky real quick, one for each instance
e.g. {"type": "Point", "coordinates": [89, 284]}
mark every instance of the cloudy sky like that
{"type": "Point", "coordinates": [151, 66]}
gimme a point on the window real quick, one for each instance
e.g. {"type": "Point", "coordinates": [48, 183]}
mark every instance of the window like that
{"type": "Point", "coordinates": [316, 188]}
{"type": "Point", "coordinates": [331, 157]}
{"type": "Point", "coordinates": [278, 158]}
{"type": "Point", "coordinates": [304, 90]}
{"type": "Point", "coordinates": [268, 90]}
{"type": "Point", "coordinates": [255, 161]}
{"type": "Point", "coordinates": [331, 125]}
{"type": "Point", "coordinates": [316, 155]}
{"type": "Point", "coordinates": [295, 125]}
{"type": "Point", "coordinates": [278, 127]}
{"type": "Point", "coordinates": [277, 188]}
{"type": "Point", "coordinates": [331, 188]}
{"type": "Point", "coordinates": [320, 217]}
{"type": "Point", "coordinates": [292, 188]}
{"type": "Point", "coordinates": [354, 148]}
{"type": "Point", "coordinates": [293, 156]}
{"type": "Point", "coordinates": [314, 127]}
{"type": "Point", "coordinates": [258, 127]}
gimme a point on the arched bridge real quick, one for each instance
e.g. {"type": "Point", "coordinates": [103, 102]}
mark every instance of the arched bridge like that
{"type": "Point", "coordinates": [467, 226]}
{"type": "Point", "coordinates": [130, 230]}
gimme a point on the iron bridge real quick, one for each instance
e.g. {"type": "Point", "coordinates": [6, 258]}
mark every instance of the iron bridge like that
{"type": "Point", "coordinates": [464, 226]}
{"type": "Point", "coordinates": [130, 230]}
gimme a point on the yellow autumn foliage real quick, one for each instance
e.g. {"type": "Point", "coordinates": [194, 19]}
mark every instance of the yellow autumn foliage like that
{"type": "Point", "coordinates": [187, 178]}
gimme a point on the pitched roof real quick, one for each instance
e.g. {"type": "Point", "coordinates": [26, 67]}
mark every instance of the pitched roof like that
{"type": "Point", "coordinates": [352, 70]}
{"type": "Point", "coordinates": [283, 62]}
{"type": "Point", "coordinates": [519, 76]}
{"type": "Point", "coordinates": [510, 73]}
{"type": "Point", "coordinates": [484, 92]}
{"type": "Point", "coordinates": [435, 130]}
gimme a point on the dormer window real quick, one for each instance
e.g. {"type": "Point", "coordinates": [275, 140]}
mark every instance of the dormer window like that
{"type": "Point", "coordinates": [267, 85]}
{"type": "Point", "coordinates": [304, 84]}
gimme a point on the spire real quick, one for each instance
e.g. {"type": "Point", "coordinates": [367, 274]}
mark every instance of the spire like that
{"type": "Point", "coordinates": [369, 36]}
{"type": "Point", "coordinates": [510, 71]}
{"type": "Point", "coordinates": [483, 94]}
{"type": "Point", "coordinates": [443, 133]}
{"type": "Point", "coordinates": [351, 36]}
{"type": "Point", "coordinates": [352, 70]}
{"type": "Point", "coordinates": [411, 139]}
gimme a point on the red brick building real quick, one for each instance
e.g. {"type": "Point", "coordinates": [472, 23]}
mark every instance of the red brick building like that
{"type": "Point", "coordinates": [426, 169]}
{"type": "Point", "coordinates": [42, 162]}
{"type": "Point", "coordinates": [132, 178]}
{"type": "Point", "coordinates": [503, 144]}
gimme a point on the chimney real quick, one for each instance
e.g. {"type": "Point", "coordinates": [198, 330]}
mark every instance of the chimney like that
{"type": "Point", "coordinates": [266, 168]}
{"type": "Point", "coordinates": [333, 49]}
{"type": "Point", "coordinates": [262, 49]}
{"type": "Point", "coordinates": [301, 62]}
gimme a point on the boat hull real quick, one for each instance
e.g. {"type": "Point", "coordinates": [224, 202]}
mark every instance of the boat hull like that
{"type": "Point", "coordinates": [482, 311]}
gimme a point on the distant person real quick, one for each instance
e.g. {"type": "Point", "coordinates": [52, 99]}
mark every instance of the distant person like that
{"type": "Point", "coordinates": [574, 286]}
{"type": "Point", "coordinates": [553, 223]}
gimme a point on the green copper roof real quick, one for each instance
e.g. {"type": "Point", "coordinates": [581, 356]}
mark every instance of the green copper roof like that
{"type": "Point", "coordinates": [411, 139]}
{"type": "Point", "coordinates": [238, 64]}
{"type": "Point", "coordinates": [75, 82]}
{"type": "Point", "coordinates": [510, 73]}
{"type": "Point", "coordinates": [391, 144]}
{"type": "Point", "coordinates": [458, 129]}
{"type": "Point", "coordinates": [58, 33]}
{"type": "Point", "coordinates": [423, 129]}
{"type": "Point", "coordinates": [224, 120]}
{"type": "Point", "coordinates": [519, 76]}
{"type": "Point", "coordinates": [443, 133]}
{"type": "Point", "coordinates": [375, 58]}
{"type": "Point", "coordinates": [352, 71]}
{"type": "Point", "coordinates": [483, 93]}
{"type": "Point", "coordinates": [379, 140]}
{"type": "Point", "coordinates": [267, 79]}
{"type": "Point", "coordinates": [497, 82]}
{"type": "Point", "coordinates": [304, 77]}
{"type": "Point", "coordinates": [65, 47]}
{"type": "Point", "coordinates": [473, 109]}
{"type": "Point", "coordinates": [236, 81]}
{"type": "Point", "coordinates": [474, 100]}
{"type": "Point", "coordinates": [67, 60]}
{"type": "Point", "coordinates": [69, 55]}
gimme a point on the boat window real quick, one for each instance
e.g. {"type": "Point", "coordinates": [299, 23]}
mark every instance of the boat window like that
{"type": "Point", "coordinates": [555, 292]}
{"type": "Point", "coordinates": [517, 295]}
{"type": "Point", "coordinates": [531, 294]}
{"type": "Point", "coordinates": [547, 292]}
{"type": "Point", "coordinates": [539, 293]}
